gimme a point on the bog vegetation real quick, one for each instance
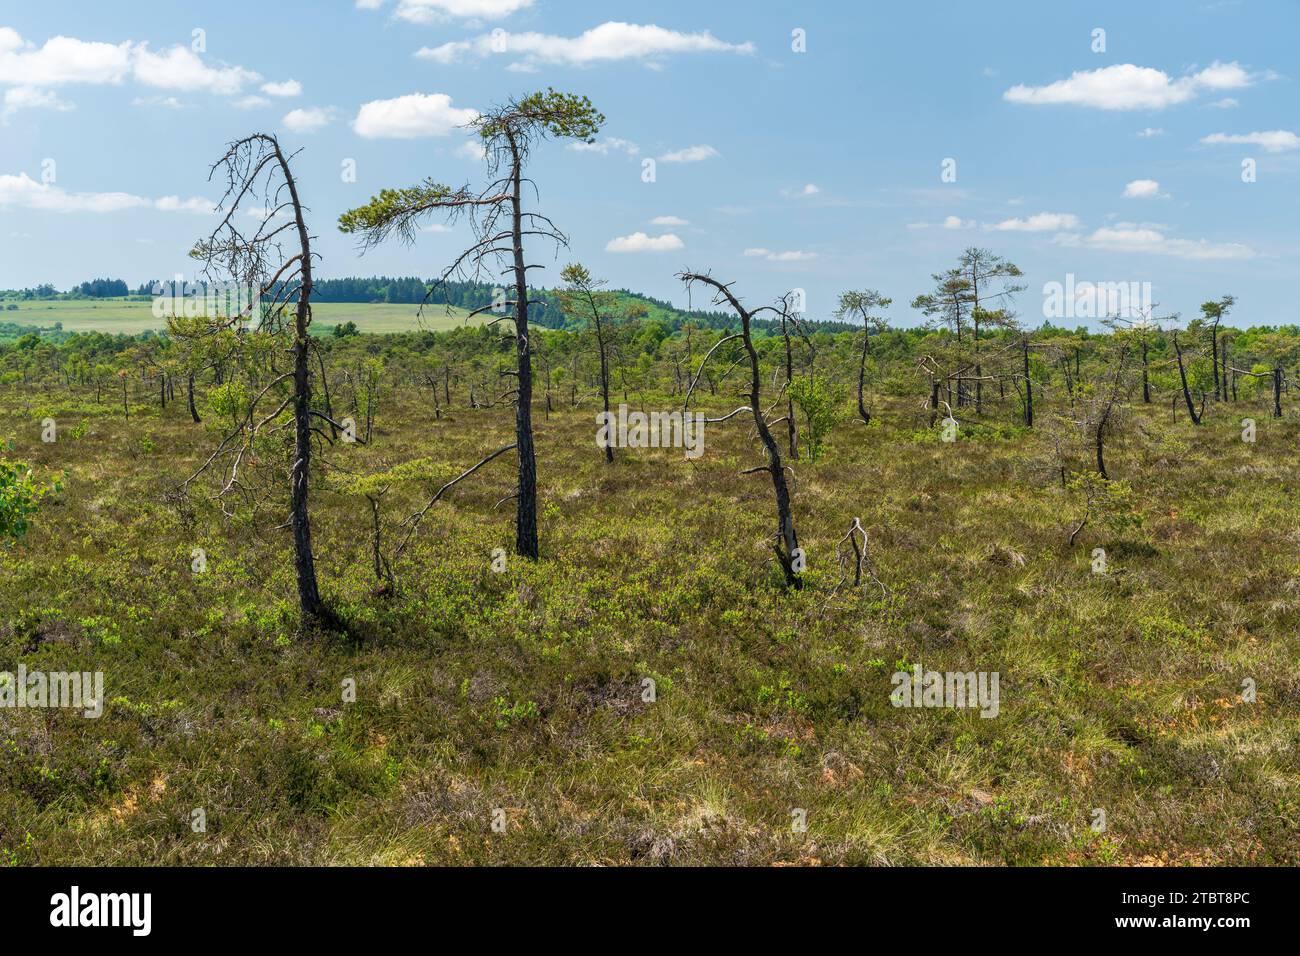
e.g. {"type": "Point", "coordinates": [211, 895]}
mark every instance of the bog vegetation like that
{"type": "Point", "coordinates": [386, 599]}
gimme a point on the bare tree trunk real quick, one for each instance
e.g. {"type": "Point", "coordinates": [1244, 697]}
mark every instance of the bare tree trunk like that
{"type": "Point", "coordinates": [309, 600]}
{"type": "Point", "coordinates": [1146, 379]}
{"type": "Point", "coordinates": [1277, 392]}
{"type": "Point", "coordinates": [194, 412]}
{"type": "Point", "coordinates": [1182, 375]}
{"type": "Point", "coordinates": [526, 504]}
{"type": "Point", "coordinates": [1029, 385]}
{"type": "Point", "coordinates": [862, 373]}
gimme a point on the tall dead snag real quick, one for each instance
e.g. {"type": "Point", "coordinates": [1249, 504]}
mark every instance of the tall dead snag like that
{"type": "Point", "coordinates": [862, 304]}
{"type": "Point", "coordinates": [260, 181]}
{"type": "Point", "coordinates": [581, 297]}
{"type": "Point", "coordinates": [787, 549]}
{"type": "Point", "coordinates": [500, 223]}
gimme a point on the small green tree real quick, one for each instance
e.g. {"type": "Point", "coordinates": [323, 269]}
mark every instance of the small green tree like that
{"type": "Point", "coordinates": [20, 498]}
{"type": "Point", "coordinates": [821, 406]}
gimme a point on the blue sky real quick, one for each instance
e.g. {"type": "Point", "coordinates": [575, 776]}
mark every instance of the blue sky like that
{"type": "Point", "coordinates": [778, 169]}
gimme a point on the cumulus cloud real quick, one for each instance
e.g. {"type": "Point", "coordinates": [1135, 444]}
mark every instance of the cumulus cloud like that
{"type": "Point", "coordinates": [180, 68]}
{"type": "Point", "coordinates": [1272, 141]}
{"type": "Point", "coordinates": [809, 189]}
{"type": "Point", "coordinates": [640, 242]}
{"type": "Point", "coordinates": [1125, 86]}
{"type": "Point", "coordinates": [691, 154]}
{"type": "Point", "coordinates": [606, 43]}
{"type": "Point", "coordinates": [1150, 132]}
{"type": "Point", "coordinates": [27, 98]}
{"type": "Point", "coordinates": [603, 147]}
{"type": "Point", "coordinates": [1042, 222]}
{"type": "Point", "coordinates": [793, 255]}
{"type": "Point", "coordinates": [33, 72]}
{"type": "Point", "coordinates": [411, 117]}
{"type": "Point", "coordinates": [287, 88]}
{"type": "Point", "coordinates": [1134, 237]}
{"type": "Point", "coordinates": [1143, 189]}
{"type": "Point", "coordinates": [23, 192]}
{"type": "Point", "coordinates": [308, 120]}
{"type": "Point", "coordinates": [433, 11]}
{"type": "Point", "coordinates": [669, 221]}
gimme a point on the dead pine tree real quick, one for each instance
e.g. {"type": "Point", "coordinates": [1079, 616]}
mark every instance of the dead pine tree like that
{"type": "Point", "coordinates": [500, 224]}
{"type": "Point", "coordinates": [861, 304]}
{"type": "Point", "coordinates": [273, 259]}
{"type": "Point", "coordinates": [787, 549]}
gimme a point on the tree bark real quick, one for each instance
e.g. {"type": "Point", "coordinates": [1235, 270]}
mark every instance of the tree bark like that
{"type": "Point", "coordinates": [309, 600]}
{"type": "Point", "coordinates": [526, 504]}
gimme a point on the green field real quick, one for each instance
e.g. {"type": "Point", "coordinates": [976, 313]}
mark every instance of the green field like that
{"type": "Point", "coordinates": [133, 316]}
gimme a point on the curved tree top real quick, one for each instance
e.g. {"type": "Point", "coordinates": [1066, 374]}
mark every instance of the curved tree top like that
{"type": "Point", "coordinates": [507, 132]}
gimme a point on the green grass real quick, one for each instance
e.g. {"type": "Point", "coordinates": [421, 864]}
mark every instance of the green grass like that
{"type": "Point", "coordinates": [131, 317]}
{"type": "Point", "coordinates": [521, 691]}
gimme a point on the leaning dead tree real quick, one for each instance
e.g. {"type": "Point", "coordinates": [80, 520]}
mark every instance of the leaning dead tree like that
{"type": "Point", "coordinates": [500, 225]}
{"type": "Point", "coordinates": [273, 260]}
{"type": "Point", "coordinates": [786, 546]}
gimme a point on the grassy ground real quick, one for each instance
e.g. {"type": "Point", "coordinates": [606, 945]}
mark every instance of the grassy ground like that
{"type": "Point", "coordinates": [522, 691]}
{"type": "Point", "coordinates": [131, 317]}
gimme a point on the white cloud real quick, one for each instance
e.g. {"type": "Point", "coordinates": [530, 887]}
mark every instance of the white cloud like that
{"type": "Point", "coordinates": [179, 68]}
{"type": "Point", "coordinates": [24, 192]}
{"type": "Point", "coordinates": [793, 255]}
{"type": "Point", "coordinates": [669, 221]}
{"type": "Point", "coordinates": [691, 154]}
{"type": "Point", "coordinates": [1125, 86]}
{"type": "Point", "coordinates": [1133, 237]}
{"type": "Point", "coordinates": [1273, 141]}
{"type": "Point", "coordinates": [369, 4]}
{"type": "Point", "coordinates": [61, 61]}
{"type": "Point", "coordinates": [956, 222]}
{"type": "Point", "coordinates": [603, 44]}
{"type": "Point", "coordinates": [27, 98]}
{"type": "Point", "coordinates": [606, 146]}
{"type": "Point", "coordinates": [308, 120]}
{"type": "Point", "coordinates": [1144, 189]}
{"type": "Point", "coordinates": [1042, 222]}
{"type": "Point", "coordinates": [251, 102]}
{"type": "Point", "coordinates": [411, 117]}
{"type": "Point", "coordinates": [1227, 103]}
{"type": "Point", "coordinates": [810, 189]}
{"type": "Point", "coordinates": [432, 11]}
{"type": "Point", "coordinates": [640, 242]}
{"type": "Point", "coordinates": [287, 88]}
{"type": "Point", "coordinates": [472, 149]}
{"type": "Point", "coordinates": [193, 204]}
{"type": "Point", "coordinates": [1150, 131]}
